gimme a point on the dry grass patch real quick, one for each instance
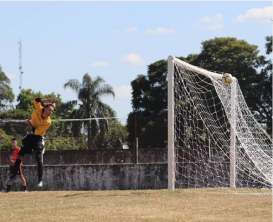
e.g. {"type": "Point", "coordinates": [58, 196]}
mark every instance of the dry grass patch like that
{"type": "Point", "coordinates": [138, 205]}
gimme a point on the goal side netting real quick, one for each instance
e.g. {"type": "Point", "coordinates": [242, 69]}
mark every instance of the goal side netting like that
{"type": "Point", "coordinates": [213, 138]}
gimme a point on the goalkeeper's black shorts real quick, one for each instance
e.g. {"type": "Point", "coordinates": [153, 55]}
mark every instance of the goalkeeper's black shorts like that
{"type": "Point", "coordinates": [31, 142]}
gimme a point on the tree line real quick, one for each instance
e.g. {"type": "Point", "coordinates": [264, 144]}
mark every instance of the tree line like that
{"type": "Point", "coordinates": [148, 119]}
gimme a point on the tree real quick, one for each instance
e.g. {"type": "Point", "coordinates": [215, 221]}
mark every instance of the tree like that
{"type": "Point", "coordinates": [89, 93]}
{"type": "Point", "coordinates": [6, 93]}
{"type": "Point", "coordinates": [25, 100]}
{"type": "Point", "coordinates": [149, 101]}
{"type": "Point", "coordinates": [114, 138]}
{"type": "Point", "coordinates": [5, 141]}
{"type": "Point", "coordinates": [149, 92]}
{"type": "Point", "coordinates": [261, 102]}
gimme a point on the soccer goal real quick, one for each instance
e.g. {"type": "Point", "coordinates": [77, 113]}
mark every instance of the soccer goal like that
{"type": "Point", "coordinates": [213, 139]}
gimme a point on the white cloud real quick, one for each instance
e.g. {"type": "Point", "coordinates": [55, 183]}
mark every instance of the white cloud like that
{"type": "Point", "coordinates": [132, 29]}
{"type": "Point", "coordinates": [160, 30]}
{"type": "Point", "coordinates": [260, 15]}
{"type": "Point", "coordinates": [99, 64]}
{"type": "Point", "coordinates": [123, 92]}
{"type": "Point", "coordinates": [133, 59]}
{"type": "Point", "coordinates": [212, 22]}
{"type": "Point", "coordinates": [215, 18]}
{"type": "Point", "coordinates": [10, 76]}
{"type": "Point", "coordinates": [214, 26]}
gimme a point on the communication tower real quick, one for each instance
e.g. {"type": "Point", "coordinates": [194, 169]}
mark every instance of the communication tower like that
{"type": "Point", "coordinates": [20, 64]}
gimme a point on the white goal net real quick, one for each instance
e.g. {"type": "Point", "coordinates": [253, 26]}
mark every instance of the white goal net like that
{"type": "Point", "coordinates": [213, 139]}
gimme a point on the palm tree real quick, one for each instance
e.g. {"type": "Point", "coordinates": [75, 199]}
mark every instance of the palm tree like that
{"type": "Point", "coordinates": [89, 93]}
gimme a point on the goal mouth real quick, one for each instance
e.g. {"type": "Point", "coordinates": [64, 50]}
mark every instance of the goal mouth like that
{"type": "Point", "coordinates": [213, 139]}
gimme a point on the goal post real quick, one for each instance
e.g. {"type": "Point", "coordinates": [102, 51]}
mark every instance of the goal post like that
{"type": "Point", "coordinates": [171, 165]}
{"type": "Point", "coordinates": [213, 138]}
{"type": "Point", "coordinates": [233, 135]}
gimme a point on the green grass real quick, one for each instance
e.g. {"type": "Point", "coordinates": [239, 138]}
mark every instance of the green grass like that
{"type": "Point", "coordinates": [138, 205]}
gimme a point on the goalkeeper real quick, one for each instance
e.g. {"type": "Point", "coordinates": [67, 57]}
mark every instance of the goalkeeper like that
{"type": "Point", "coordinates": [39, 124]}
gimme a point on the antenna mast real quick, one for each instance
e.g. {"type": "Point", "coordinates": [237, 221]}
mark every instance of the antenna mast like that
{"type": "Point", "coordinates": [20, 64]}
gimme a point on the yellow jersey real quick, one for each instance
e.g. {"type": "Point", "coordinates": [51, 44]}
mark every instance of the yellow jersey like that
{"type": "Point", "coordinates": [41, 125]}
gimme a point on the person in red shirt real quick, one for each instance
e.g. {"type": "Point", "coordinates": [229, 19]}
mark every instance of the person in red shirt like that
{"type": "Point", "coordinates": [13, 156]}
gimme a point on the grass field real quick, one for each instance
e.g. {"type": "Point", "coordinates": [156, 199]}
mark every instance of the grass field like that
{"type": "Point", "coordinates": [138, 205]}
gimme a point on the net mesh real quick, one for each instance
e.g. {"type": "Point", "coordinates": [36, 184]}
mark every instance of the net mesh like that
{"type": "Point", "coordinates": [206, 113]}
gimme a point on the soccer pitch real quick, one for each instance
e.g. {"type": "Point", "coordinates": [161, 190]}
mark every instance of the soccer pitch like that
{"type": "Point", "coordinates": [138, 205]}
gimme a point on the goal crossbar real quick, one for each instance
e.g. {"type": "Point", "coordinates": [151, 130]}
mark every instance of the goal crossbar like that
{"type": "Point", "coordinates": [195, 69]}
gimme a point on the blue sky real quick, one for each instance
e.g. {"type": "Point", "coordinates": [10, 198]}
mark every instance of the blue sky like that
{"type": "Point", "coordinates": [115, 40]}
